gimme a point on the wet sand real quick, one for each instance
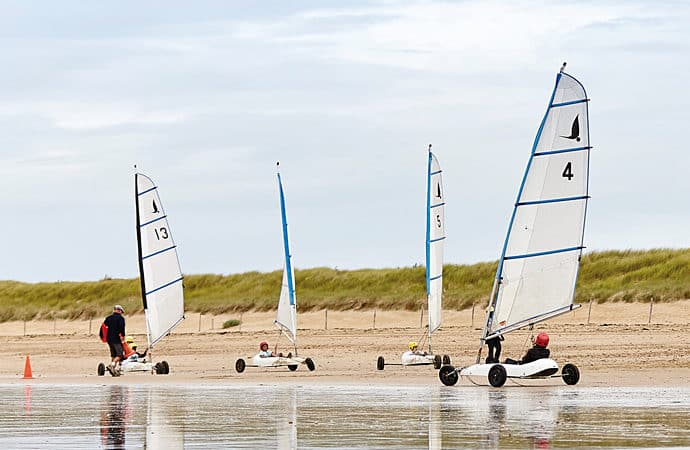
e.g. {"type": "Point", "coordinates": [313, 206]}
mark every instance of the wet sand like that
{"type": "Point", "coordinates": [617, 346]}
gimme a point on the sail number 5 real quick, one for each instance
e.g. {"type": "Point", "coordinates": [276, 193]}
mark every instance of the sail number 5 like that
{"type": "Point", "coordinates": [568, 171]}
{"type": "Point", "coordinates": [161, 233]}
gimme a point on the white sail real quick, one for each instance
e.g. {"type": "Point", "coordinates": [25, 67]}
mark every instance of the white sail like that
{"type": "Point", "coordinates": [159, 267]}
{"type": "Point", "coordinates": [286, 317]}
{"type": "Point", "coordinates": [541, 256]}
{"type": "Point", "coordinates": [435, 235]}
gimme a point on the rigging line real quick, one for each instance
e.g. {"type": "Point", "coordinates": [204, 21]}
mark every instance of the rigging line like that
{"type": "Point", "coordinates": [158, 252]}
{"type": "Point", "coordinates": [148, 190]}
{"type": "Point", "coordinates": [435, 278]}
{"type": "Point", "coordinates": [152, 221]}
{"type": "Point", "coordinates": [435, 173]}
{"type": "Point", "coordinates": [437, 239]}
{"type": "Point", "coordinates": [437, 205]}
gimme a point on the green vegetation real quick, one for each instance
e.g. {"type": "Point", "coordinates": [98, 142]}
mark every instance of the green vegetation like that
{"type": "Point", "coordinates": [231, 323]}
{"type": "Point", "coordinates": [604, 276]}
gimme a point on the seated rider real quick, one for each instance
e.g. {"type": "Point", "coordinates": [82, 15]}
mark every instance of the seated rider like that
{"type": "Point", "coordinates": [538, 350]}
{"type": "Point", "coordinates": [133, 346]}
{"type": "Point", "coordinates": [266, 353]}
{"type": "Point", "coordinates": [414, 348]}
{"type": "Point", "coordinates": [129, 349]}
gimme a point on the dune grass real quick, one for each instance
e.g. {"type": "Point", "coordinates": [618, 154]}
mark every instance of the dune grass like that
{"type": "Point", "coordinates": [604, 276]}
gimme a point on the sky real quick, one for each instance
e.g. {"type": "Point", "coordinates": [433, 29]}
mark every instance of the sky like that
{"type": "Point", "coordinates": [204, 97]}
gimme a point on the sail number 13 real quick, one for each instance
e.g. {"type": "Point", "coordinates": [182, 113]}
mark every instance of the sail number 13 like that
{"type": "Point", "coordinates": [161, 233]}
{"type": "Point", "coordinates": [568, 171]}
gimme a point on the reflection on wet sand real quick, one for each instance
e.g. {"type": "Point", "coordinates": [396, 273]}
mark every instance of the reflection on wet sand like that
{"type": "Point", "coordinates": [318, 416]}
{"type": "Point", "coordinates": [114, 412]}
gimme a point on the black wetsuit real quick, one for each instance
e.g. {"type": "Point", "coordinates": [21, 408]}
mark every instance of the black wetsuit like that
{"type": "Point", "coordinates": [494, 345]}
{"type": "Point", "coordinates": [532, 354]}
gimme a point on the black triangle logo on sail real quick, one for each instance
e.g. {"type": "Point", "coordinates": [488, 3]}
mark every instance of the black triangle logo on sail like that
{"type": "Point", "coordinates": [575, 131]}
{"type": "Point", "coordinates": [438, 190]}
{"type": "Point", "coordinates": [155, 208]}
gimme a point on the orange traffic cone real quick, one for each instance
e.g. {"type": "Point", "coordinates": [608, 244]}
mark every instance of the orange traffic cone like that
{"type": "Point", "coordinates": [27, 368]}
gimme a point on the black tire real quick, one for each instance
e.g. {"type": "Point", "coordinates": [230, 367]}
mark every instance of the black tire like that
{"type": "Point", "coordinates": [157, 368]}
{"type": "Point", "coordinates": [310, 364]}
{"type": "Point", "coordinates": [448, 375]}
{"type": "Point", "coordinates": [570, 374]}
{"type": "Point", "coordinates": [292, 367]}
{"type": "Point", "coordinates": [380, 363]}
{"type": "Point", "coordinates": [497, 376]}
{"type": "Point", "coordinates": [446, 360]}
{"type": "Point", "coordinates": [101, 369]}
{"type": "Point", "coordinates": [437, 362]}
{"type": "Point", "coordinates": [240, 365]}
{"type": "Point", "coordinates": [166, 367]}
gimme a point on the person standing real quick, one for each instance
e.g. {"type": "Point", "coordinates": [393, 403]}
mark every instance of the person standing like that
{"type": "Point", "coordinates": [494, 345]}
{"type": "Point", "coordinates": [116, 331]}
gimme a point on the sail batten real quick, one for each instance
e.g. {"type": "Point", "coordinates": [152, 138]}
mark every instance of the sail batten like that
{"type": "Point", "coordinates": [435, 235]}
{"type": "Point", "coordinates": [159, 267]}
{"type": "Point", "coordinates": [574, 102]}
{"type": "Point", "coordinates": [550, 252]}
{"type": "Point", "coordinates": [540, 258]}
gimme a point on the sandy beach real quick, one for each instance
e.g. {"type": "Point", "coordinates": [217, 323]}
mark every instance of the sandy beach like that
{"type": "Point", "coordinates": [613, 344]}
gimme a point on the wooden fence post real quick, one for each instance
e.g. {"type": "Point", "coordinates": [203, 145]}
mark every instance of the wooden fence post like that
{"type": "Point", "coordinates": [325, 319]}
{"type": "Point", "coordinates": [90, 320]}
{"type": "Point", "coordinates": [200, 322]}
{"type": "Point", "coordinates": [24, 327]}
{"type": "Point", "coordinates": [212, 317]}
{"type": "Point", "coordinates": [421, 317]}
{"type": "Point", "coordinates": [589, 313]}
{"type": "Point", "coordinates": [374, 325]}
{"type": "Point", "coordinates": [472, 326]}
{"type": "Point", "coordinates": [651, 306]}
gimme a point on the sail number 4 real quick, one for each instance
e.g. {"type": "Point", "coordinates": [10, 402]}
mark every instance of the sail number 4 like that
{"type": "Point", "coordinates": [568, 171]}
{"type": "Point", "coordinates": [161, 233]}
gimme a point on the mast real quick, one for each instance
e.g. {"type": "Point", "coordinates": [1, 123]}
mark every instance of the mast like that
{"type": "Point", "coordinates": [428, 244]}
{"type": "Point", "coordinates": [539, 263]}
{"type": "Point", "coordinates": [142, 280]}
{"type": "Point", "coordinates": [286, 317]}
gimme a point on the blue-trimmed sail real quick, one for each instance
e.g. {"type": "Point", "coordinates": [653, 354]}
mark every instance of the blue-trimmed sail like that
{"type": "Point", "coordinates": [435, 237]}
{"type": "Point", "coordinates": [539, 264]}
{"type": "Point", "coordinates": [286, 317]}
{"type": "Point", "coordinates": [159, 267]}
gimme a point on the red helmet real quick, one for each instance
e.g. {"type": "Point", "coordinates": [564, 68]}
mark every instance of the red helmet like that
{"type": "Point", "coordinates": [261, 346]}
{"type": "Point", "coordinates": [542, 340]}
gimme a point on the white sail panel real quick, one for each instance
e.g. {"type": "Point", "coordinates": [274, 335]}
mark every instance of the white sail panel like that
{"type": "Point", "coordinates": [540, 262]}
{"type": "Point", "coordinates": [538, 229]}
{"type": "Point", "coordinates": [541, 284]}
{"type": "Point", "coordinates": [159, 265]}
{"type": "Point", "coordinates": [286, 317]}
{"type": "Point", "coordinates": [435, 238]}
